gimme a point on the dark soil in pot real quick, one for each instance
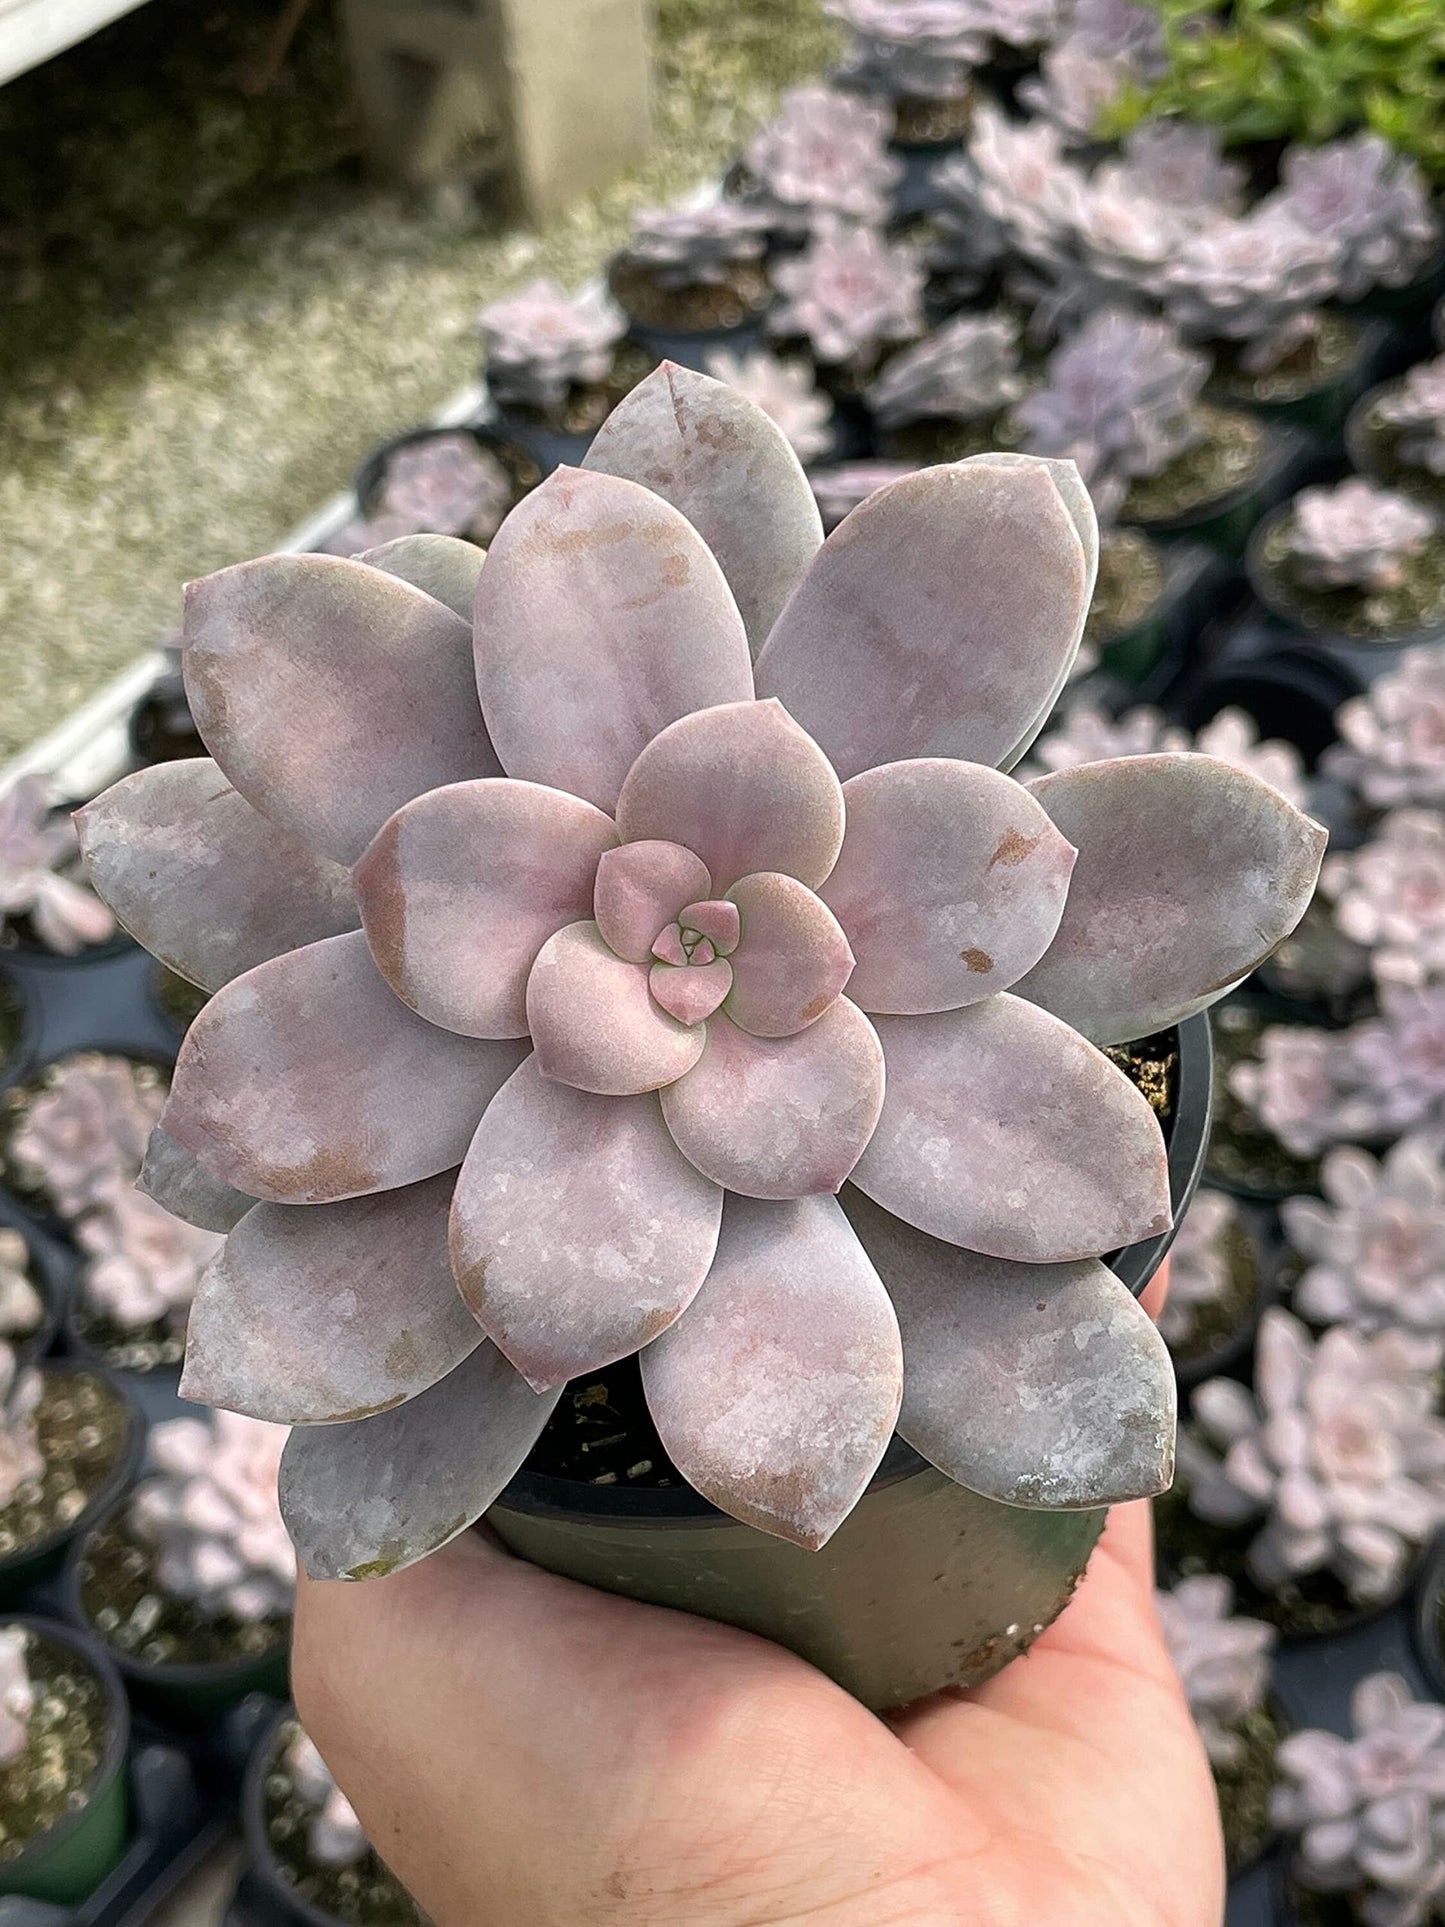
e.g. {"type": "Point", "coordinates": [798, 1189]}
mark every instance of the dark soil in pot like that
{"type": "Point", "coordinates": [1374, 447]}
{"type": "Point", "coordinates": [1244, 1788]}
{"type": "Point", "coordinates": [1413, 611]}
{"type": "Point", "coordinates": [943, 438]}
{"type": "Point", "coordinates": [1313, 386]}
{"type": "Point", "coordinates": [1323, 1910]}
{"type": "Point", "coordinates": [89, 1437]}
{"type": "Point", "coordinates": [562, 434]}
{"type": "Point", "coordinates": [925, 1584]}
{"type": "Point", "coordinates": [181, 1001]}
{"type": "Point", "coordinates": [932, 124]}
{"type": "Point", "coordinates": [1213, 490]}
{"type": "Point", "coordinates": [63, 1803]}
{"type": "Point", "coordinates": [161, 727]}
{"type": "Point", "coordinates": [1321, 973]}
{"type": "Point", "coordinates": [276, 1821]}
{"type": "Point", "coordinates": [175, 1658]}
{"type": "Point", "coordinates": [704, 307]}
{"type": "Point", "coordinates": [1126, 616]}
{"type": "Point", "coordinates": [97, 1339]}
{"type": "Point", "coordinates": [1243, 1156]}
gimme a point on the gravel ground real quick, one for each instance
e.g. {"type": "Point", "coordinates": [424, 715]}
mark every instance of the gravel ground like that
{"type": "Point", "coordinates": [217, 319]}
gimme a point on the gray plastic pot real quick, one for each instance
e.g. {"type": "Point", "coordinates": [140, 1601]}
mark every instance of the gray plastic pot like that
{"type": "Point", "coordinates": [925, 1585]}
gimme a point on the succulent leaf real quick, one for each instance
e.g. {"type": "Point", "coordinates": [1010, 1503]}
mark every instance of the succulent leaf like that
{"type": "Point", "coordinates": [441, 566]}
{"type": "Point", "coordinates": [369, 1498]}
{"type": "Point", "coordinates": [579, 1230]}
{"type": "Point", "coordinates": [716, 456]}
{"type": "Point", "coordinates": [463, 886]}
{"type": "Point", "coordinates": [1190, 872]}
{"type": "Point", "coordinates": [744, 787]}
{"type": "Point", "coordinates": [307, 1081]}
{"type": "Point", "coordinates": [601, 617]}
{"type": "Point", "coordinates": [594, 1021]}
{"type": "Point", "coordinates": [174, 1179]}
{"type": "Point", "coordinates": [314, 1314]}
{"type": "Point", "coordinates": [950, 884]}
{"type": "Point", "coordinates": [202, 879]}
{"type": "Point", "coordinates": [345, 654]}
{"type": "Point", "coordinates": [776, 1392]}
{"type": "Point", "coordinates": [1005, 1132]}
{"type": "Point", "coordinates": [1038, 1385]}
{"type": "Point", "coordinates": [792, 958]}
{"type": "Point", "coordinates": [955, 597]}
{"type": "Point", "coordinates": [691, 995]}
{"type": "Point", "coordinates": [641, 889]}
{"type": "Point", "coordinates": [780, 1117]}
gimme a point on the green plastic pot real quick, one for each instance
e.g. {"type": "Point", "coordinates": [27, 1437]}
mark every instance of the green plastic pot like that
{"type": "Point", "coordinates": [71, 1859]}
{"type": "Point", "coordinates": [925, 1585]}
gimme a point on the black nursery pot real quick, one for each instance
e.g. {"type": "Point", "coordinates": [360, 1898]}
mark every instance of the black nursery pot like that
{"type": "Point", "coordinates": [1227, 521]}
{"type": "Point", "coordinates": [1428, 1619]}
{"type": "Point", "coordinates": [925, 1585]}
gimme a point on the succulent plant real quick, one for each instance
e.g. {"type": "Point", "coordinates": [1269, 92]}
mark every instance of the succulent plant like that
{"type": "Point", "coordinates": [1368, 1812]}
{"type": "Point", "coordinates": [1355, 535]}
{"type": "Point", "coordinates": [1257, 282]}
{"type": "Point", "coordinates": [1301, 1089]}
{"type": "Point", "coordinates": [1233, 736]}
{"type": "Point", "coordinates": [967, 370]}
{"type": "Point", "coordinates": [33, 841]}
{"type": "Point", "coordinates": [1418, 406]}
{"type": "Point", "coordinates": [1120, 29]}
{"type": "Point", "coordinates": [1376, 1240]}
{"type": "Point", "coordinates": [1180, 165]}
{"type": "Point", "coordinates": [919, 49]}
{"type": "Point", "coordinates": [20, 1457]}
{"type": "Point", "coordinates": [82, 1137]}
{"type": "Point", "coordinates": [209, 1512]}
{"type": "Point", "coordinates": [1199, 1265]}
{"type": "Point", "coordinates": [838, 491]}
{"type": "Point", "coordinates": [1223, 1661]}
{"type": "Point", "coordinates": [686, 247]}
{"type": "Point", "coordinates": [1389, 895]}
{"type": "Point", "coordinates": [334, 1837]}
{"type": "Point", "coordinates": [849, 293]}
{"type": "Point", "coordinates": [1397, 1061]}
{"type": "Point", "coordinates": [444, 485]}
{"type": "Point", "coordinates": [1088, 734]}
{"type": "Point", "coordinates": [1392, 746]}
{"type": "Point", "coordinates": [1118, 399]}
{"type": "Point", "coordinates": [17, 1694]}
{"type": "Point", "coordinates": [1369, 202]}
{"type": "Point", "coordinates": [1337, 1450]}
{"type": "Point", "coordinates": [141, 1264]}
{"type": "Point", "coordinates": [21, 1307]}
{"type": "Point", "coordinates": [786, 392]}
{"type": "Point", "coordinates": [1016, 178]}
{"type": "Point", "coordinates": [826, 155]}
{"type": "Point", "coordinates": [1075, 88]}
{"type": "Point", "coordinates": [541, 342]}
{"type": "Point", "coordinates": [690, 858]}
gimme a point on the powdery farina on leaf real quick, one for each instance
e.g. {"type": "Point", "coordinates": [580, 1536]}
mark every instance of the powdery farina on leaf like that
{"type": "Point", "coordinates": [672, 883]}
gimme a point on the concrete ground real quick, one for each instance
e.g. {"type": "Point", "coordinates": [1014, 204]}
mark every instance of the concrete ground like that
{"type": "Point", "coordinates": [216, 318]}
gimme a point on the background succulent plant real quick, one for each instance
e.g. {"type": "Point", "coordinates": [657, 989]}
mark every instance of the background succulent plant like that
{"type": "Point", "coordinates": [141, 1263]}
{"type": "Point", "coordinates": [1397, 1060]}
{"type": "Point", "coordinates": [1376, 1241]}
{"type": "Point", "coordinates": [17, 1694]}
{"type": "Point", "coordinates": [840, 489]}
{"type": "Point", "coordinates": [21, 1306]}
{"type": "Point", "coordinates": [1200, 1265]}
{"type": "Point", "coordinates": [34, 841]}
{"type": "Point", "coordinates": [825, 154]}
{"type": "Point", "coordinates": [1118, 399]}
{"type": "Point", "coordinates": [683, 869]}
{"type": "Point", "coordinates": [1366, 1812]}
{"type": "Point", "coordinates": [1180, 165]}
{"type": "Point", "coordinates": [784, 388]}
{"type": "Point", "coordinates": [1368, 201]}
{"type": "Point", "coordinates": [849, 293]}
{"type": "Point", "coordinates": [966, 370]}
{"type": "Point", "coordinates": [1355, 535]}
{"type": "Point", "coordinates": [82, 1137]}
{"type": "Point", "coordinates": [686, 247]}
{"type": "Point", "coordinates": [1223, 1661]}
{"type": "Point", "coordinates": [1088, 734]}
{"type": "Point", "coordinates": [443, 485]}
{"type": "Point", "coordinates": [1337, 1451]}
{"type": "Point", "coordinates": [1392, 746]}
{"type": "Point", "coordinates": [209, 1511]}
{"type": "Point", "coordinates": [20, 1456]}
{"type": "Point", "coordinates": [1389, 895]}
{"type": "Point", "coordinates": [1075, 88]}
{"type": "Point", "coordinates": [334, 1836]}
{"type": "Point", "coordinates": [542, 341]}
{"type": "Point", "coordinates": [1418, 406]}
{"type": "Point", "coordinates": [924, 49]}
{"type": "Point", "coordinates": [1257, 282]}
{"type": "Point", "coordinates": [1016, 180]}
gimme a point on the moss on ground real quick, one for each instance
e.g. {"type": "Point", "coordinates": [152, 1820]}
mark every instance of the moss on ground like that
{"type": "Point", "coordinates": [220, 318]}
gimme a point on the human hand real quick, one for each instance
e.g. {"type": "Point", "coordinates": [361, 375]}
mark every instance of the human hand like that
{"type": "Point", "coordinates": [526, 1752]}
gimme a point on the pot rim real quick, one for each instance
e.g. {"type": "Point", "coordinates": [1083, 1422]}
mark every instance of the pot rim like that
{"type": "Point", "coordinates": [1427, 1634]}
{"type": "Point", "coordinates": [111, 1488]}
{"type": "Point", "coordinates": [261, 1861]}
{"type": "Point", "coordinates": [537, 1492]}
{"type": "Point", "coordinates": [112, 1760]}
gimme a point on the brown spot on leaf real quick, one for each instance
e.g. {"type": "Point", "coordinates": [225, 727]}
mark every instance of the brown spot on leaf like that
{"type": "Point", "coordinates": [676, 570]}
{"type": "Point", "coordinates": [977, 960]}
{"type": "Point", "coordinates": [655, 1324]}
{"type": "Point", "coordinates": [404, 1356]}
{"type": "Point", "coordinates": [1013, 847]}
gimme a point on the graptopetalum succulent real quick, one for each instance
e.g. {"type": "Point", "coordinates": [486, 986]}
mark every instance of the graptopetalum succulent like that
{"type": "Point", "coordinates": [1355, 535]}
{"type": "Point", "coordinates": [967, 370]}
{"type": "Point", "coordinates": [141, 1262]}
{"type": "Point", "coordinates": [825, 155]}
{"type": "Point", "coordinates": [1199, 1265]}
{"type": "Point", "coordinates": [785, 390]}
{"type": "Point", "coordinates": [1418, 406]}
{"type": "Point", "coordinates": [334, 1836]}
{"type": "Point", "coordinates": [663, 857]}
{"type": "Point", "coordinates": [542, 341]}
{"type": "Point", "coordinates": [17, 1694]}
{"type": "Point", "coordinates": [1223, 1661]}
{"type": "Point", "coordinates": [1392, 740]}
{"type": "Point", "coordinates": [82, 1137]}
{"type": "Point", "coordinates": [1370, 203]}
{"type": "Point", "coordinates": [34, 841]}
{"type": "Point", "coordinates": [922, 49]}
{"type": "Point", "coordinates": [849, 293]}
{"type": "Point", "coordinates": [1368, 1813]}
{"type": "Point", "coordinates": [686, 247]}
{"type": "Point", "coordinates": [1376, 1240]}
{"type": "Point", "coordinates": [1389, 895]}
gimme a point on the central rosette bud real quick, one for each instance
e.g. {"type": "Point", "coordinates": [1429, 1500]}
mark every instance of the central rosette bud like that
{"type": "Point", "coordinates": [692, 974]}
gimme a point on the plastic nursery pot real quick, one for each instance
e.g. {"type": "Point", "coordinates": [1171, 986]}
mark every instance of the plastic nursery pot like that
{"type": "Point", "coordinates": [183, 1695]}
{"type": "Point", "coordinates": [1373, 446]}
{"type": "Point", "coordinates": [100, 1001]}
{"type": "Point", "coordinates": [1226, 521]}
{"type": "Point", "coordinates": [161, 727]}
{"type": "Point", "coordinates": [1231, 1352]}
{"type": "Point", "coordinates": [70, 1860]}
{"type": "Point", "coordinates": [694, 347]}
{"type": "Point", "coordinates": [19, 1028]}
{"type": "Point", "coordinates": [924, 1585]}
{"type": "Point", "coordinates": [1318, 400]}
{"type": "Point", "coordinates": [1412, 302]}
{"type": "Point", "coordinates": [1428, 1619]}
{"type": "Point", "coordinates": [30, 1564]}
{"type": "Point", "coordinates": [1290, 687]}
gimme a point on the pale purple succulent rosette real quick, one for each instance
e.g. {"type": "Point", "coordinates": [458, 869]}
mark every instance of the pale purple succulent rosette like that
{"type": "Point", "coordinates": [718, 897]}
